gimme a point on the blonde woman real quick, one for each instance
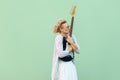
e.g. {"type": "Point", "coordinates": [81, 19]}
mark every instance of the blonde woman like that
{"type": "Point", "coordinates": [63, 67]}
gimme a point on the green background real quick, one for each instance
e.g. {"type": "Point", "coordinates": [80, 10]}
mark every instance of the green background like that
{"type": "Point", "coordinates": [27, 40]}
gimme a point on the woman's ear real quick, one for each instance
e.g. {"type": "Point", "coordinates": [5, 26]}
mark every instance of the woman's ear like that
{"type": "Point", "coordinates": [60, 29]}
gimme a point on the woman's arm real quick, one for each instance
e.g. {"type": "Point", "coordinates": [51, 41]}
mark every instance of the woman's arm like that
{"type": "Point", "coordinates": [58, 48]}
{"type": "Point", "coordinates": [73, 43]}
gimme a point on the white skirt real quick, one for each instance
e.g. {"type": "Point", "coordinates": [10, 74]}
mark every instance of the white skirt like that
{"type": "Point", "coordinates": [67, 71]}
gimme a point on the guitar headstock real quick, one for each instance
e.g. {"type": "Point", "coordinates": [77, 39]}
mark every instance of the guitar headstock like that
{"type": "Point", "coordinates": [73, 10]}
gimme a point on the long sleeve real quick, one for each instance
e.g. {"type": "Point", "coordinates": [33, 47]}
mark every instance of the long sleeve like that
{"type": "Point", "coordinates": [59, 49]}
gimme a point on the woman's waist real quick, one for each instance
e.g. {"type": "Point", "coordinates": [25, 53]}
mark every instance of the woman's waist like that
{"type": "Point", "coordinates": [66, 58]}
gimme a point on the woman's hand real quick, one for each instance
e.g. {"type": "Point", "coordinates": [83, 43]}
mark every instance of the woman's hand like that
{"type": "Point", "coordinates": [72, 44]}
{"type": "Point", "coordinates": [70, 48]}
{"type": "Point", "coordinates": [69, 39]}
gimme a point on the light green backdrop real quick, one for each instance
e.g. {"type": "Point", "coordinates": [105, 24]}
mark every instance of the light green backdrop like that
{"type": "Point", "coordinates": [26, 38]}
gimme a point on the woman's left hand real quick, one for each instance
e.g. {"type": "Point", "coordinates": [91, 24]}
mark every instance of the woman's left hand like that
{"type": "Point", "coordinates": [69, 39]}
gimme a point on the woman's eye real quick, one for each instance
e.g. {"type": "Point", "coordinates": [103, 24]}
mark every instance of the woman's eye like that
{"type": "Point", "coordinates": [67, 26]}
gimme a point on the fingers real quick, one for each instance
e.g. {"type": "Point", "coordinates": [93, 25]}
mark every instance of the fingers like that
{"type": "Point", "coordinates": [70, 48]}
{"type": "Point", "coordinates": [69, 39]}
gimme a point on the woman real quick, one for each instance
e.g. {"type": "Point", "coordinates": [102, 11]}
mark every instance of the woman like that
{"type": "Point", "coordinates": [63, 66]}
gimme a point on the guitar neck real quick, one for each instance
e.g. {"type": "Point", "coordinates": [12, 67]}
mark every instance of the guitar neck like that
{"type": "Point", "coordinates": [71, 27]}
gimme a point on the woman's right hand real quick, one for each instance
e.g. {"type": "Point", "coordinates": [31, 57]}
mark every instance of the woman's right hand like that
{"type": "Point", "coordinates": [70, 48]}
{"type": "Point", "coordinates": [69, 39]}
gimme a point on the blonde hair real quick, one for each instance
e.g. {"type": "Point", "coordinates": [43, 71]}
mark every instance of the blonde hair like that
{"type": "Point", "coordinates": [58, 25]}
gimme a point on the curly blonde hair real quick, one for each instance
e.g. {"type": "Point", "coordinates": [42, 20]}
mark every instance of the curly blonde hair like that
{"type": "Point", "coordinates": [58, 25]}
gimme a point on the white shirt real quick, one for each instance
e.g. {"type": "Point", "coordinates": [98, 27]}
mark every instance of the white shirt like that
{"type": "Point", "coordinates": [58, 52]}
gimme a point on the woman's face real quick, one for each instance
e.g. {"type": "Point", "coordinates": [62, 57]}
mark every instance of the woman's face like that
{"type": "Point", "coordinates": [65, 28]}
